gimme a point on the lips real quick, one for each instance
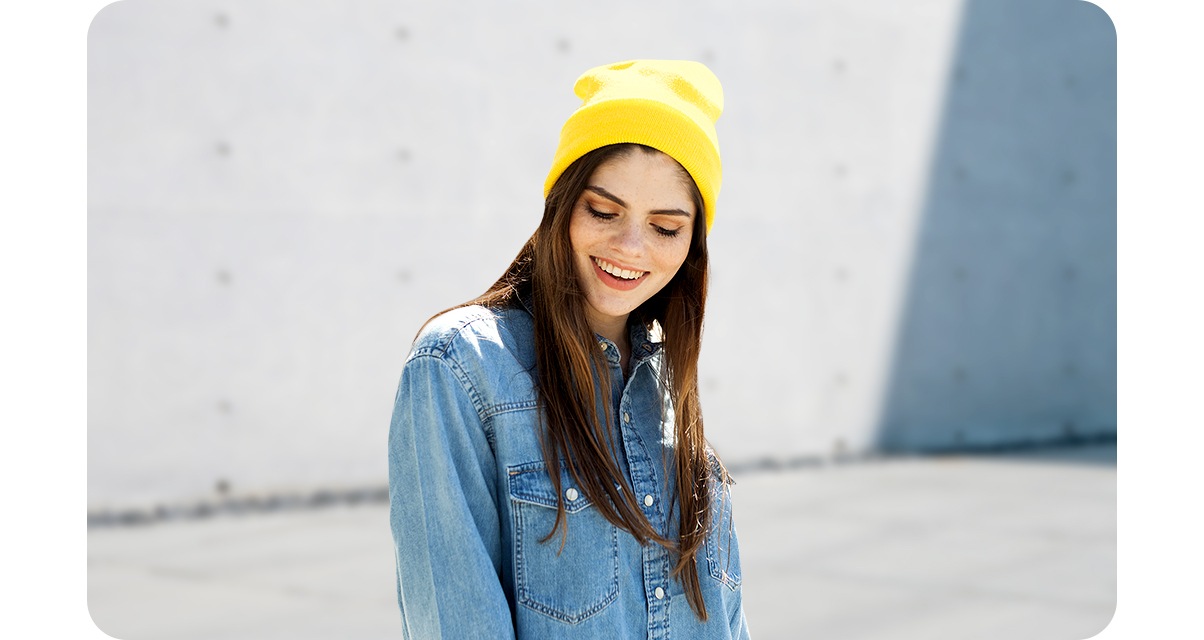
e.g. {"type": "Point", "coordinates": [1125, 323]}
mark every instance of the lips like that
{"type": "Point", "coordinates": [617, 277]}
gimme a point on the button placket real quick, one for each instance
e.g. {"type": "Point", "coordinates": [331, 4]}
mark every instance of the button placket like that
{"type": "Point", "coordinates": [656, 576]}
{"type": "Point", "coordinates": [643, 473]}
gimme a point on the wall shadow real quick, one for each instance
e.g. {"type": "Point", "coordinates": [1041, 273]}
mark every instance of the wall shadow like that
{"type": "Point", "coordinates": [1006, 338]}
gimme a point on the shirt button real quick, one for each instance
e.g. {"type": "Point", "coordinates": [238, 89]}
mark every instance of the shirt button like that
{"type": "Point", "coordinates": [626, 417]}
{"type": "Point", "coordinates": [660, 593]}
{"type": "Point", "coordinates": [603, 345]}
{"type": "Point", "coordinates": [571, 494]}
{"type": "Point", "coordinates": [648, 500]}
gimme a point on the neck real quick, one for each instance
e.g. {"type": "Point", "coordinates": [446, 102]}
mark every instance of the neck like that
{"type": "Point", "coordinates": [612, 328]}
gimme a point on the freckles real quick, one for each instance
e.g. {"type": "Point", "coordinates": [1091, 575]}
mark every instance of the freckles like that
{"type": "Point", "coordinates": [680, 258]}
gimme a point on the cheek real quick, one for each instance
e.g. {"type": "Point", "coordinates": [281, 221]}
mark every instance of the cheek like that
{"type": "Point", "coordinates": [579, 233]}
{"type": "Point", "coordinates": [678, 257]}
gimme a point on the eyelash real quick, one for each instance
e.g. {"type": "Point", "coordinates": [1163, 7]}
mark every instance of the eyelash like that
{"type": "Point", "coordinates": [668, 233]}
{"type": "Point", "coordinates": [599, 215]}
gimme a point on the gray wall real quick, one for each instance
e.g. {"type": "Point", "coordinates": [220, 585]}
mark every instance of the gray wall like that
{"type": "Point", "coordinates": [914, 248]}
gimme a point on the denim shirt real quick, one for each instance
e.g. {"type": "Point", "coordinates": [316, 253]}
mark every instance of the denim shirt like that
{"type": "Point", "coordinates": [470, 499]}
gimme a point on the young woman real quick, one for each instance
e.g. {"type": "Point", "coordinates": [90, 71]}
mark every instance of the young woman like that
{"type": "Point", "coordinates": [548, 473]}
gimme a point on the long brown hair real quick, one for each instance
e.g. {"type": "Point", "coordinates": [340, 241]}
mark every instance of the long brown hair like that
{"type": "Point", "coordinates": [567, 357]}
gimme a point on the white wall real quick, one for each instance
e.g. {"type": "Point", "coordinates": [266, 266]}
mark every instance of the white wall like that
{"type": "Point", "coordinates": [914, 248]}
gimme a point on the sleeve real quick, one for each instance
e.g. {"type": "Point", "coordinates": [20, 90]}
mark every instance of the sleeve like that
{"type": "Point", "coordinates": [735, 615]}
{"type": "Point", "coordinates": [443, 508]}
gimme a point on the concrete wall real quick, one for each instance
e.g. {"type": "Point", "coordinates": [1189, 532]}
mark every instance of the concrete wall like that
{"type": "Point", "coordinates": [914, 248]}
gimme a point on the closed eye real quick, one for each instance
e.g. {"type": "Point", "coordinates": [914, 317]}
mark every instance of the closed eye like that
{"type": "Point", "coordinates": [599, 214]}
{"type": "Point", "coordinates": [669, 233]}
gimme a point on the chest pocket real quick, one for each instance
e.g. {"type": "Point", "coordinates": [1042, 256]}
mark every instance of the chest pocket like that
{"type": "Point", "coordinates": [569, 584]}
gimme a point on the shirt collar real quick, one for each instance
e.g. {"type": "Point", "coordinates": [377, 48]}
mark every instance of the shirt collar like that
{"type": "Point", "coordinates": [644, 343]}
{"type": "Point", "coordinates": [524, 298]}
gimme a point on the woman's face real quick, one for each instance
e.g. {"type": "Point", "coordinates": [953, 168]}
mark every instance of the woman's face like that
{"type": "Point", "coordinates": [630, 231]}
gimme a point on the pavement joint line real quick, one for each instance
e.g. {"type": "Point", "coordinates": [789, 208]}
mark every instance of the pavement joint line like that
{"type": "Point", "coordinates": [324, 498]}
{"type": "Point", "coordinates": [764, 464]}
{"type": "Point", "coordinates": [271, 503]}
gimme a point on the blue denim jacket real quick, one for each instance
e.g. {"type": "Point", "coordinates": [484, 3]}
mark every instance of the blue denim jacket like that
{"type": "Point", "coordinates": [471, 498]}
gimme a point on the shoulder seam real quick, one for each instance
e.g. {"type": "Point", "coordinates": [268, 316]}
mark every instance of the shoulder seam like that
{"type": "Point", "coordinates": [441, 346]}
{"type": "Point", "coordinates": [465, 384]}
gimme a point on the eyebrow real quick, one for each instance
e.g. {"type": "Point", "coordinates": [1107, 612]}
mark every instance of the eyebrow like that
{"type": "Point", "coordinates": [619, 201]}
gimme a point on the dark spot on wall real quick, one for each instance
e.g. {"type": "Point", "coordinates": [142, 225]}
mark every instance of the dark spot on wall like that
{"type": "Point", "coordinates": [959, 75]}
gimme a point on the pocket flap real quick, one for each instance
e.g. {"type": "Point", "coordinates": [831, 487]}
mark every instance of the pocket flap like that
{"type": "Point", "coordinates": [530, 483]}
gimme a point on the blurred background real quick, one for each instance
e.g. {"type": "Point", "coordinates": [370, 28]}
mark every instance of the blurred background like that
{"type": "Point", "coordinates": [910, 349]}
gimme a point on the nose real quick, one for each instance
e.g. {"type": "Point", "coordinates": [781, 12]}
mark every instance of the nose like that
{"type": "Point", "coordinates": [627, 240]}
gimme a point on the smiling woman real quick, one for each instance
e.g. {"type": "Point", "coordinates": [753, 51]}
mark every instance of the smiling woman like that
{"type": "Point", "coordinates": [549, 475]}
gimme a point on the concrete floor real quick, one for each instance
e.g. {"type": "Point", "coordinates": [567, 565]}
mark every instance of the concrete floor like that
{"type": "Point", "coordinates": [953, 547]}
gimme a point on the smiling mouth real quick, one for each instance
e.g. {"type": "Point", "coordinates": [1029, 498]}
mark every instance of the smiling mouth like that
{"type": "Point", "coordinates": [622, 274]}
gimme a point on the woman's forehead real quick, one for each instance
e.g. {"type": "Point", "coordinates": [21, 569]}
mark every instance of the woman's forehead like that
{"type": "Point", "coordinates": [643, 179]}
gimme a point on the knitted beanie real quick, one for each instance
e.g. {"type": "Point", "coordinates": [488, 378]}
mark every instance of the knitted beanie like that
{"type": "Point", "coordinates": [669, 105]}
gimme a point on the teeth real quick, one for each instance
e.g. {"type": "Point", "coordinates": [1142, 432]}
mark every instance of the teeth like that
{"type": "Point", "coordinates": [617, 272]}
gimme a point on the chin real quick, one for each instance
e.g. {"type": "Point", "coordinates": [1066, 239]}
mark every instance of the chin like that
{"type": "Point", "coordinates": [612, 310]}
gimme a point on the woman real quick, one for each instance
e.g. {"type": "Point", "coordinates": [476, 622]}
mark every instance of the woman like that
{"type": "Point", "coordinates": [548, 472]}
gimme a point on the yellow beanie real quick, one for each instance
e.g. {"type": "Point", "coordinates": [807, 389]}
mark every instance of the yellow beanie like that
{"type": "Point", "coordinates": [669, 105]}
